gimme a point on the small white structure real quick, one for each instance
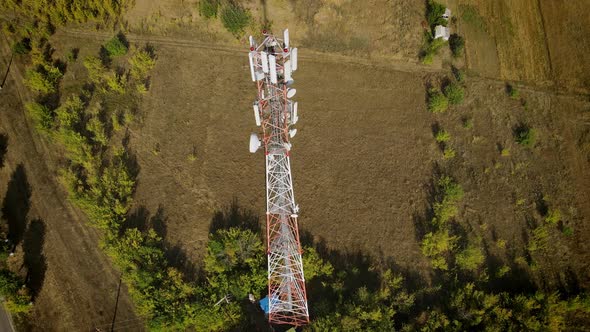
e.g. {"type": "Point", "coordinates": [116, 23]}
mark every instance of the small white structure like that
{"type": "Point", "coordinates": [442, 32]}
{"type": "Point", "coordinates": [447, 14]}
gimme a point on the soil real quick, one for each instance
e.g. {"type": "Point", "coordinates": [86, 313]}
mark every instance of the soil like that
{"type": "Point", "coordinates": [364, 157]}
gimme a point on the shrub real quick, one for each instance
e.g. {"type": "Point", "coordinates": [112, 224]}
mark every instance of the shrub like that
{"type": "Point", "coordinates": [15, 295]}
{"type": "Point", "coordinates": [69, 114]}
{"type": "Point", "coordinates": [512, 91]}
{"type": "Point", "coordinates": [208, 8]}
{"type": "Point", "coordinates": [115, 83]}
{"type": "Point", "coordinates": [95, 68]}
{"type": "Point", "coordinates": [434, 12]}
{"type": "Point", "coordinates": [448, 189]}
{"type": "Point", "coordinates": [454, 93]}
{"type": "Point", "coordinates": [458, 74]}
{"type": "Point", "coordinates": [141, 63]}
{"type": "Point", "coordinates": [73, 54]}
{"type": "Point", "coordinates": [430, 48]}
{"type": "Point", "coordinates": [437, 102]}
{"type": "Point", "coordinates": [568, 231]}
{"type": "Point", "coordinates": [553, 217]}
{"type": "Point", "coordinates": [41, 115]}
{"type": "Point", "coordinates": [442, 136]}
{"type": "Point", "coordinates": [115, 47]}
{"type": "Point", "coordinates": [39, 82]}
{"type": "Point", "coordinates": [467, 123]}
{"type": "Point", "coordinates": [449, 153]}
{"type": "Point", "coordinates": [539, 239]}
{"type": "Point", "coordinates": [234, 18]}
{"type": "Point", "coordinates": [525, 135]}
{"type": "Point", "coordinates": [470, 259]}
{"type": "Point", "coordinates": [22, 47]}
{"type": "Point", "coordinates": [435, 245]}
{"type": "Point", "coordinates": [505, 269]}
{"type": "Point", "coordinates": [457, 44]}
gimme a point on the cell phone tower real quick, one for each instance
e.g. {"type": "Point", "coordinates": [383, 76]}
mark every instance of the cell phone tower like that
{"type": "Point", "coordinates": [271, 64]}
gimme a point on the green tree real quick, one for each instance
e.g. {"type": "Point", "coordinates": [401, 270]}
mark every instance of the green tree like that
{"type": "Point", "coordinates": [141, 63]}
{"type": "Point", "coordinates": [457, 44]}
{"type": "Point", "coordinates": [208, 8]}
{"type": "Point", "coordinates": [115, 47]}
{"type": "Point", "coordinates": [234, 18]}
{"type": "Point", "coordinates": [41, 115]}
{"type": "Point", "coordinates": [235, 263]}
{"type": "Point", "coordinates": [470, 259]}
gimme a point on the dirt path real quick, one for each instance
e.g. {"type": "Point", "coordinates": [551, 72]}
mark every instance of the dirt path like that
{"type": "Point", "coordinates": [79, 285]}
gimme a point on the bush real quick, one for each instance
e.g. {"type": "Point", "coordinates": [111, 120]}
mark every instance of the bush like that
{"type": "Point", "coordinates": [458, 74]}
{"type": "Point", "coordinates": [235, 18]}
{"type": "Point", "coordinates": [512, 91]}
{"type": "Point", "coordinates": [208, 8]}
{"type": "Point", "coordinates": [457, 44]}
{"type": "Point", "coordinates": [553, 217]}
{"type": "Point", "coordinates": [435, 245]}
{"type": "Point", "coordinates": [449, 153]}
{"type": "Point", "coordinates": [141, 63]}
{"type": "Point", "coordinates": [434, 13]}
{"type": "Point", "coordinates": [95, 68]}
{"type": "Point", "coordinates": [22, 47]}
{"type": "Point", "coordinates": [454, 93]}
{"type": "Point", "coordinates": [525, 136]}
{"type": "Point", "coordinates": [437, 102]}
{"type": "Point", "coordinates": [470, 259]}
{"type": "Point", "coordinates": [442, 136]}
{"type": "Point", "coordinates": [41, 115]}
{"type": "Point", "coordinates": [116, 47]}
{"type": "Point", "coordinates": [39, 82]}
{"type": "Point", "coordinates": [430, 48]}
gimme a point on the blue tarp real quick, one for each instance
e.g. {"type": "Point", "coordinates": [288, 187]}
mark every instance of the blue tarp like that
{"type": "Point", "coordinates": [264, 304]}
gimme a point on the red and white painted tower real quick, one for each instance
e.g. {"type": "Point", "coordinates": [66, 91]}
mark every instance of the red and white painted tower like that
{"type": "Point", "coordinates": [272, 63]}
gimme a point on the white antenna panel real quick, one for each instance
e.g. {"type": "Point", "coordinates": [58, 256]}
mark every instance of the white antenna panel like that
{"type": "Point", "coordinates": [264, 57]}
{"type": "Point", "coordinates": [251, 58]}
{"type": "Point", "coordinates": [291, 93]}
{"type": "Point", "coordinates": [295, 110]}
{"type": "Point", "coordinates": [294, 59]}
{"type": "Point", "coordinates": [257, 114]}
{"type": "Point", "coordinates": [254, 143]}
{"type": "Point", "coordinates": [272, 63]}
{"type": "Point", "coordinates": [287, 70]}
{"type": "Point", "coordinates": [259, 75]}
{"type": "Point", "coordinates": [251, 39]}
{"type": "Point", "coordinates": [292, 132]}
{"type": "Point", "coordinates": [286, 38]}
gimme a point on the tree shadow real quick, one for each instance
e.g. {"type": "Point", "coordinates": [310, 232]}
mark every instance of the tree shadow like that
{"type": "Point", "coordinates": [3, 148]}
{"type": "Point", "coordinates": [16, 205]}
{"type": "Point", "coordinates": [34, 260]}
{"type": "Point", "coordinates": [233, 215]}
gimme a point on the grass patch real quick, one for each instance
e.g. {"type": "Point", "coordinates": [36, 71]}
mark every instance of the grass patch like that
{"type": "Point", "coordinates": [471, 16]}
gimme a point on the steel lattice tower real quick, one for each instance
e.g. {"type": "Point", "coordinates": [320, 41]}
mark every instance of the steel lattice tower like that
{"type": "Point", "coordinates": [271, 65]}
